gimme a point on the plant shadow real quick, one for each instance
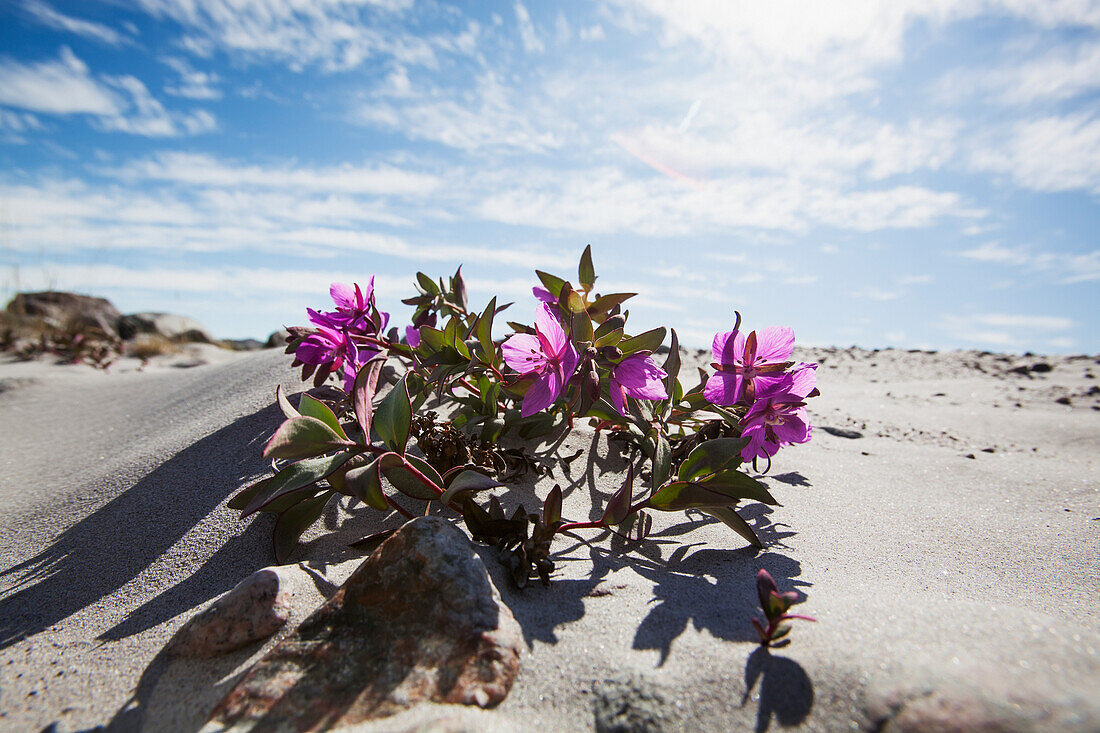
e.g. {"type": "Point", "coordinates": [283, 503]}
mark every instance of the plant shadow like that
{"type": "Point", "coordinates": [115, 544]}
{"type": "Point", "coordinates": [786, 692]}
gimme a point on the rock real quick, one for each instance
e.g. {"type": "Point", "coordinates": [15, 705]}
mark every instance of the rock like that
{"type": "Point", "coordinates": [256, 608]}
{"type": "Point", "coordinates": [277, 339]}
{"type": "Point", "coordinates": [842, 432]}
{"type": "Point", "coordinates": [418, 621]}
{"type": "Point", "coordinates": [243, 344]}
{"type": "Point", "coordinates": [165, 325]}
{"type": "Point", "coordinates": [1041, 367]}
{"type": "Point", "coordinates": [68, 310]}
{"type": "Point", "coordinates": [630, 704]}
{"type": "Point", "coordinates": [980, 702]}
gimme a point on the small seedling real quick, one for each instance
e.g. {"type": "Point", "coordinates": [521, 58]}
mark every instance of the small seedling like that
{"type": "Point", "coordinates": [775, 605]}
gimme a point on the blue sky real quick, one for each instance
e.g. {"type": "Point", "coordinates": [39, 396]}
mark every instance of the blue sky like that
{"type": "Point", "coordinates": [911, 173]}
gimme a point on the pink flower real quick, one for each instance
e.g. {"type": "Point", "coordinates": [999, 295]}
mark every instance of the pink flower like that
{"type": "Point", "coordinates": [548, 353]}
{"type": "Point", "coordinates": [747, 365]}
{"type": "Point", "coordinates": [778, 417]}
{"type": "Point", "coordinates": [340, 341]}
{"type": "Point", "coordinates": [637, 376]}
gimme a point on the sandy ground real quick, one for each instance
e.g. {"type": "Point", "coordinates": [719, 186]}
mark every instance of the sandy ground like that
{"type": "Point", "coordinates": [944, 524]}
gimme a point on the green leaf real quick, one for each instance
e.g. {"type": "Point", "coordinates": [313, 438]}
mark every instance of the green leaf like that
{"type": "Point", "coordinates": [425, 468]}
{"type": "Point", "coordinates": [291, 478]}
{"type": "Point", "coordinates": [431, 337]}
{"type": "Point", "coordinates": [733, 520]}
{"type": "Point", "coordinates": [737, 485]}
{"type": "Point", "coordinates": [662, 457]}
{"type": "Point", "coordinates": [294, 521]}
{"type": "Point", "coordinates": [366, 385]}
{"type": "Point", "coordinates": [458, 288]}
{"type": "Point", "coordinates": [618, 506]}
{"type": "Point", "coordinates": [672, 363]}
{"type": "Point", "coordinates": [284, 403]}
{"type": "Point", "coordinates": [393, 417]}
{"type": "Point", "coordinates": [582, 327]}
{"type": "Point", "coordinates": [680, 495]}
{"type": "Point", "coordinates": [586, 273]}
{"type": "Point", "coordinates": [427, 284]}
{"type": "Point", "coordinates": [605, 304]}
{"type": "Point", "coordinates": [396, 471]}
{"type": "Point", "coordinates": [373, 540]}
{"type": "Point", "coordinates": [712, 456]}
{"type": "Point", "coordinates": [366, 485]}
{"type": "Point", "coordinates": [485, 330]}
{"type": "Point", "coordinates": [553, 283]}
{"type": "Point", "coordinates": [467, 480]}
{"type": "Point", "coordinates": [289, 499]}
{"type": "Point", "coordinates": [551, 508]}
{"type": "Point", "coordinates": [311, 407]}
{"type": "Point", "coordinates": [647, 341]}
{"type": "Point", "coordinates": [303, 437]}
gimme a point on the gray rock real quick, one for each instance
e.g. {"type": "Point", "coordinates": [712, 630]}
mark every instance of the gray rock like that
{"type": "Point", "coordinates": [255, 609]}
{"type": "Point", "coordinates": [67, 310]}
{"type": "Point", "coordinates": [165, 325]}
{"type": "Point", "coordinates": [418, 621]}
{"type": "Point", "coordinates": [277, 339]}
{"type": "Point", "coordinates": [983, 702]}
{"type": "Point", "coordinates": [631, 704]}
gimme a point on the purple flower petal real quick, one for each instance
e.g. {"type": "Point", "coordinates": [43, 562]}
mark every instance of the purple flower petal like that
{"type": "Point", "coordinates": [803, 379]}
{"type": "Point", "coordinates": [641, 378]}
{"type": "Point", "coordinates": [546, 324]}
{"type": "Point", "coordinates": [775, 343]}
{"type": "Point", "coordinates": [342, 295]}
{"type": "Point", "coordinates": [723, 388]}
{"type": "Point", "coordinates": [545, 296]}
{"type": "Point", "coordinates": [523, 352]}
{"type": "Point", "coordinates": [728, 347]}
{"type": "Point", "coordinates": [412, 336]}
{"type": "Point", "coordinates": [618, 397]}
{"type": "Point", "coordinates": [541, 394]}
{"type": "Point", "coordinates": [792, 430]}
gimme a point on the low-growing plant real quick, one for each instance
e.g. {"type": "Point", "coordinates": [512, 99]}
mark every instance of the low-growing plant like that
{"type": "Point", "coordinates": [576, 361]}
{"type": "Point", "coordinates": [774, 630]}
{"type": "Point", "coordinates": [72, 344]}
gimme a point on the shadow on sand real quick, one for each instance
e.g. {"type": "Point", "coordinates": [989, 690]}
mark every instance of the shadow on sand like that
{"type": "Point", "coordinates": [111, 547]}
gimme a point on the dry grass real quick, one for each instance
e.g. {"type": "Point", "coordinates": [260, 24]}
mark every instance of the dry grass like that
{"type": "Point", "coordinates": [146, 346]}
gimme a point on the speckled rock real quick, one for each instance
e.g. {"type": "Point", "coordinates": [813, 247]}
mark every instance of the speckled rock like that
{"type": "Point", "coordinates": [418, 621]}
{"type": "Point", "coordinates": [631, 704]}
{"type": "Point", "coordinates": [981, 702]}
{"type": "Point", "coordinates": [256, 608]}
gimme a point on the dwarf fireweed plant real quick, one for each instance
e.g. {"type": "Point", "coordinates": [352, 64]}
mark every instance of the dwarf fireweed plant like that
{"type": "Point", "coordinates": [776, 606]}
{"type": "Point", "coordinates": [574, 360]}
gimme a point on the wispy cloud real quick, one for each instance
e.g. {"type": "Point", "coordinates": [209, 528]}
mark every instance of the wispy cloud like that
{"type": "Point", "coordinates": [1067, 267]}
{"type": "Point", "coordinates": [50, 17]}
{"type": "Point", "coordinates": [61, 87]}
{"type": "Point", "coordinates": [1055, 153]}
{"type": "Point", "coordinates": [207, 170]}
{"type": "Point", "coordinates": [336, 35]}
{"type": "Point", "coordinates": [118, 103]}
{"type": "Point", "coordinates": [531, 42]}
{"type": "Point", "coordinates": [1001, 330]}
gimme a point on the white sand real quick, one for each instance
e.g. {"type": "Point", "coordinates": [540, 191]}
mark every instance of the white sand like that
{"type": "Point", "coordinates": [919, 563]}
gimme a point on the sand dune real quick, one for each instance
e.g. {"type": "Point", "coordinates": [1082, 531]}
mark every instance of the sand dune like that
{"type": "Point", "coordinates": [944, 523]}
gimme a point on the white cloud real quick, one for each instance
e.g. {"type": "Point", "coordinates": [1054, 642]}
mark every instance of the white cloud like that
{"type": "Point", "coordinates": [337, 34]}
{"type": "Point", "coordinates": [47, 16]}
{"type": "Point", "coordinates": [193, 84]}
{"type": "Point", "coordinates": [205, 170]}
{"type": "Point", "coordinates": [482, 117]}
{"type": "Point", "coordinates": [1048, 154]}
{"type": "Point", "coordinates": [1011, 330]}
{"type": "Point", "coordinates": [915, 280]}
{"type": "Point", "coordinates": [593, 33]}
{"type": "Point", "coordinates": [62, 87]}
{"type": "Point", "coordinates": [531, 42]}
{"type": "Point", "coordinates": [1067, 267]}
{"type": "Point", "coordinates": [877, 294]}
{"type": "Point", "coordinates": [607, 200]}
{"type": "Point", "coordinates": [996, 252]}
{"type": "Point", "coordinates": [66, 86]}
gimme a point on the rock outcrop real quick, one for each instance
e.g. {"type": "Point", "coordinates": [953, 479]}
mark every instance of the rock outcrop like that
{"type": "Point", "coordinates": [418, 621]}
